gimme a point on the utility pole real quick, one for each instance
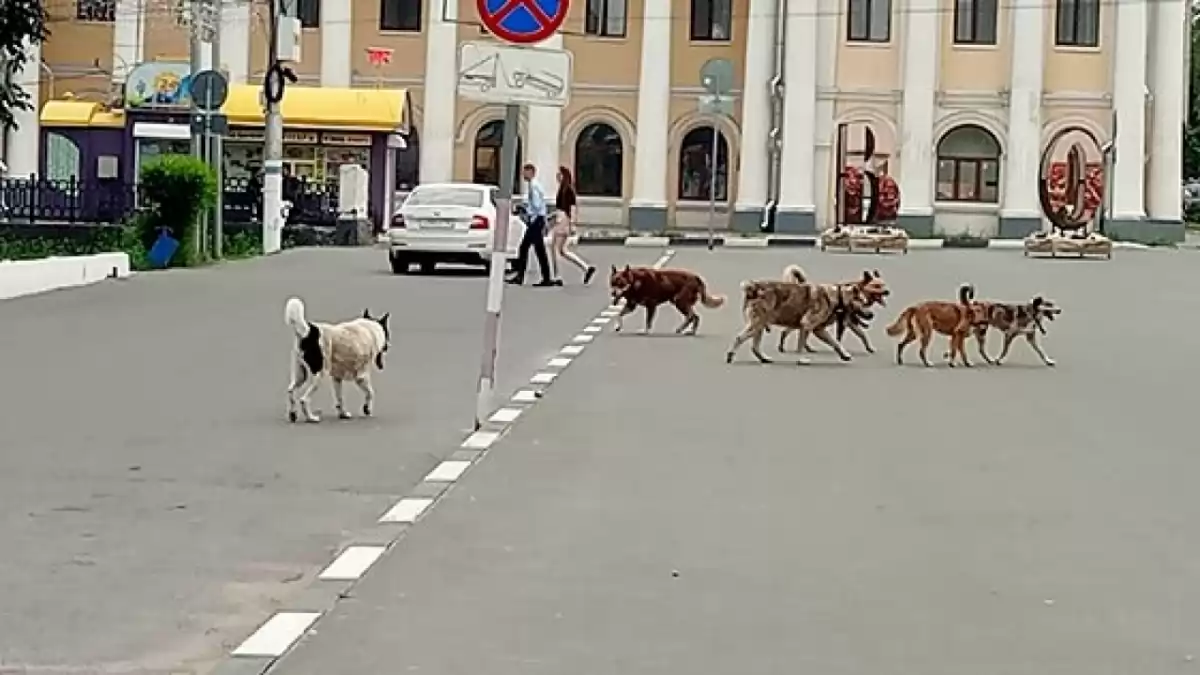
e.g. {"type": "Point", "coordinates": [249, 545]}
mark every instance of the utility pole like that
{"type": "Point", "coordinates": [216, 152]}
{"type": "Point", "coordinates": [273, 86]}
{"type": "Point", "coordinates": [195, 28]}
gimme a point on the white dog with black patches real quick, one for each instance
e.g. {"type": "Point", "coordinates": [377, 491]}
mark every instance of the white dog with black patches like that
{"type": "Point", "coordinates": [344, 350]}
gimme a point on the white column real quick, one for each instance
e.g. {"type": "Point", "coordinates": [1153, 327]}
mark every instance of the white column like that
{"type": "Point", "coordinates": [1022, 161]}
{"type": "Point", "coordinates": [1166, 151]}
{"type": "Point", "coordinates": [440, 96]}
{"type": "Point", "coordinates": [24, 140]}
{"type": "Point", "coordinates": [1129, 98]}
{"type": "Point", "coordinates": [653, 107]}
{"type": "Point", "coordinates": [545, 132]}
{"type": "Point", "coordinates": [336, 43]}
{"type": "Point", "coordinates": [756, 106]}
{"type": "Point", "coordinates": [828, 45]}
{"type": "Point", "coordinates": [797, 187]}
{"type": "Point", "coordinates": [235, 41]}
{"type": "Point", "coordinates": [921, 38]}
{"type": "Point", "coordinates": [129, 37]}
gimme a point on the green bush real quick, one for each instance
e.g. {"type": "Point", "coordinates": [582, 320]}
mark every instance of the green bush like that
{"type": "Point", "coordinates": [178, 189]}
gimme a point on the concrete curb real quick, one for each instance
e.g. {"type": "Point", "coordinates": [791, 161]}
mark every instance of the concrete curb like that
{"type": "Point", "coordinates": [800, 241]}
{"type": "Point", "coordinates": [19, 278]}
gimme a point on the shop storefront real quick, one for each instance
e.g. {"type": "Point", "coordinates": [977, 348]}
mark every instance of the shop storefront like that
{"type": "Point", "coordinates": [324, 129]}
{"type": "Point", "coordinates": [310, 155]}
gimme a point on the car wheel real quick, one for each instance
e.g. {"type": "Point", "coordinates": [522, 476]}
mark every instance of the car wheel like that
{"type": "Point", "coordinates": [428, 266]}
{"type": "Point", "coordinates": [400, 264]}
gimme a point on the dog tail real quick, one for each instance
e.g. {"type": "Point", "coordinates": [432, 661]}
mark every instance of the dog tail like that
{"type": "Point", "coordinates": [901, 322]}
{"type": "Point", "coordinates": [966, 293]}
{"type": "Point", "coordinates": [293, 315]}
{"type": "Point", "coordinates": [795, 273]}
{"type": "Point", "coordinates": [710, 301]}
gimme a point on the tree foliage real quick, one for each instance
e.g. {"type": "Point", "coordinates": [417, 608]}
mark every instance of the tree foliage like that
{"type": "Point", "coordinates": [21, 21]}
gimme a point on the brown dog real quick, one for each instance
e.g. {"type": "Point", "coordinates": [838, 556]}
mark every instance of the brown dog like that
{"type": "Point", "coordinates": [948, 318]}
{"type": "Point", "coordinates": [649, 288]}
{"type": "Point", "coordinates": [1014, 320]}
{"type": "Point", "coordinates": [809, 308]}
{"type": "Point", "coordinates": [874, 289]}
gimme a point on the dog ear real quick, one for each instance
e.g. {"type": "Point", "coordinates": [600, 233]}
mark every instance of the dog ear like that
{"type": "Point", "coordinates": [1037, 302]}
{"type": "Point", "coordinates": [366, 313]}
{"type": "Point", "coordinates": [876, 274]}
{"type": "Point", "coordinates": [627, 267]}
{"type": "Point", "coordinates": [867, 276]}
{"type": "Point", "coordinates": [384, 319]}
{"type": "Point", "coordinates": [614, 269]}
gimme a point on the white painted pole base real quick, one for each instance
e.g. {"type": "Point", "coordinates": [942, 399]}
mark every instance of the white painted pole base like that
{"type": "Point", "coordinates": [272, 211]}
{"type": "Point", "coordinates": [495, 290]}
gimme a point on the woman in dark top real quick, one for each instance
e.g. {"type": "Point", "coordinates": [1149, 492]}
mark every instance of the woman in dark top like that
{"type": "Point", "coordinates": [565, 218]}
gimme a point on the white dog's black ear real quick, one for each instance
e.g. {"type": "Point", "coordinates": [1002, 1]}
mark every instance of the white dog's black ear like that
{"type": "Point", "coordinates": [614, 269]}
{"type": "Point", "coordinates": [366, 313]}
{"type": "Point", "coordinates": [384, 319]}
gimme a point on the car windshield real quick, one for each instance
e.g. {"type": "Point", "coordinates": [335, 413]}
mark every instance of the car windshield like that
{"type": "Point", "coordinates": [446, 196]}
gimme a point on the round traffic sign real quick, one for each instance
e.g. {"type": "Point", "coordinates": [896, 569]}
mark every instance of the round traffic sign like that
{"type": "Point", "coordinates": [522, 21]}
{"type": "Point", "coordinates": [209, 90]}
{"type": "Point", "coordinates": [716, 76]}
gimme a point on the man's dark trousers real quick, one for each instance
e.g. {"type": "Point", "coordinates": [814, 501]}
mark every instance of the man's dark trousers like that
{"type": "Point", "coordinates": [535, 236]}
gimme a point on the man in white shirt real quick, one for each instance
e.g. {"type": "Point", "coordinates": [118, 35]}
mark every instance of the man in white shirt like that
{"type": "Point", "coordinates": [535, 231]}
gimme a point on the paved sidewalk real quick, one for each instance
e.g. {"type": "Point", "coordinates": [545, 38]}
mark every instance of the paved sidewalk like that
{"type": "Point", "coordinates": [660, 512]}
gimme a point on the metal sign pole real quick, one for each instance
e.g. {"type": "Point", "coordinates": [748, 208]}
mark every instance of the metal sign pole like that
{"type": "Point", "coordinates": [495, 291]}
{"type": "Point", "coordinates": [712, 185]}
{"type": "Point", "coordinates": [716, 76]}
{"type": "Point", "coordinates": [505, 23]}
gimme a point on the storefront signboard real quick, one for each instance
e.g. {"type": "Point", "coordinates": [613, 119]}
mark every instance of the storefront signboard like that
{"type": "Point", "coordinates": [159, 84]}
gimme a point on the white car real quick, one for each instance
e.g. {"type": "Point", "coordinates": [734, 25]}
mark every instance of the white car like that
{"type": "Point", "coordinates": [448, 223]}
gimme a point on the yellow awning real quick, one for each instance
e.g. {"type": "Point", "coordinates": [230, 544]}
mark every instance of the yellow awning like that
{"type": "Point", "coordinates": [324, 108]}
{"type": "Point", "coordinates": [79, 114]}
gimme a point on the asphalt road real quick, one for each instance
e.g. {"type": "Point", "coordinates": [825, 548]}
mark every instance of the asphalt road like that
{"type": "Point", "coordinates": [155, 505]}
{"type": "Point", "coordinates": [661, 512]}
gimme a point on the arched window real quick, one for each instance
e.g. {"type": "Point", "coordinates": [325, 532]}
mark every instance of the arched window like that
{"type": "Point", "coordinates": [599, 161]}
{"type": "Point", "coordinates": [408, 162]}
{"type": "Point", "coordinates": [968, 166]}
{"type": "Point", "coordinates": [487, 155]}
{"type": "Point", "coordinates": [695, 166]}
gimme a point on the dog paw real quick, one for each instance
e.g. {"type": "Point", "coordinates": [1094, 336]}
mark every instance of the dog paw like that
{"type": "Point", "coordinates": [846, 358]}
{"type": "Point", "coordinates": [366, 410]}
{"type": "Point", "coordinates": [344, 415]}
{"type": "Point", "coordinates": [313, 419]}
{"type": "Point", "coordinates": [870, 349]}
{"type": "Point", "coordinates": [292, 417]}
{"type": "Point", "coordinates": [803, 361]}
{"type": "Point", "coordinates": [643, 331]}
{"type": "Point", "coordinates": [1051, 363]}
{"type": "Point", "coordinates": [729, 357]}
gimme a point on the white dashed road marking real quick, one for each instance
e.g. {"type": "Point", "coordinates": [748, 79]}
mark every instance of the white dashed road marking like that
{"type": "Point", "coordinates": [406, 510]}
{"type": "Point", "coordinates": [505, 415]}
{"type": "Point", "coordinates": [281, 631]}
{"type": "Point", "coordinates": [352, 563]}
{"type": "Point", "coordinates": [448, 471]}
{"type": "Point", "coordinates": [274, 637]}
{"type": "Point", "coordinates": [481, 440]}
{"type": "Point", "coordinates": [525, 396]}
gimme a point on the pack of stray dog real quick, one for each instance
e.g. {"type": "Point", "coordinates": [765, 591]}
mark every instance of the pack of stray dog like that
{"type": "Point", "coordinates": [346, 351]}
